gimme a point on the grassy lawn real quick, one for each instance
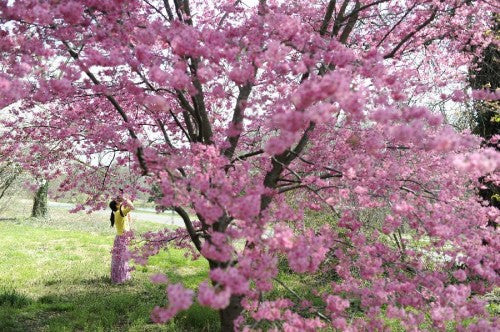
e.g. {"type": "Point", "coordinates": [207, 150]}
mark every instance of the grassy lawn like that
{"type": "Point", "coordinates": [54, 276]}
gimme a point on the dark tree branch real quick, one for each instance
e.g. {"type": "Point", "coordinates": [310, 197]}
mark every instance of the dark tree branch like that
{"type": "Point", "coordinates": [319, 314]}
{"type": "Point", "coordinates": [390, 147]}
{"type": "Point", "coordinates": [4, 186]}
{"type": "Point", "coordinates": [328, 17]}
{"type": "Point", "coordinates": [199, 111]}
{"type": "Point", "coordinates": [112, 100]}
{"type": "Point", "coordinates": [187, 11]}
{"type": "Point", "coordinates": [410, 35]}
{"type": "Point", "coordinates": [238, 118]}
{"type": "Point", "coordinates": [188, 111]}
{"type": "Point", "coordinates": [168, 9]}
{"type": "Point", "coordinates": [280, 162]}
{"type": "Point", "coordinates": [197, 117]}
{"type": "Point", "coordinates": [300, 145]}
{"type": "Point", "coordinates": [360, 9]}
{"type": "Point", "coordinates": [158, 121]}
{"type": "Point", "coordinates": [189, 126]}
{"type": "Point", "coordinates": [185, 103]}
{"type": "Point", "coordinates": [164, 132]}
{"type": "Point", "coordinates": [205, 127]}
{"type": "Point", "coordinates": [395, 25]}
{"type": "Point", "coordinates": [156, 9]}
{"type": "Point", "coordinates": [188, 136]}
{"type": "Point", "coordinates": [247, 155]}
{"type": "Point", "coordinates": [189, 227]}
{"type": "Point", "coordinates": [350, 24]}
{"type": "Point", "coordinates": [107, 170]}
{"type": "Point", "coordinates": [292, 187]}
{"type": "Point", "coordinates": [178, 10]}
{"type": "Point", "coordinates": [339, 19]}
{"type": "Point", "coordinates": [325, 167]}
{"type": "Point", "coordinates": [236, 3]}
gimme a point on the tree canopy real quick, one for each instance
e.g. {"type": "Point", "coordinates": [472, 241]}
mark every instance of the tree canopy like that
{"type": "Point", "coordinates": [252, 114]}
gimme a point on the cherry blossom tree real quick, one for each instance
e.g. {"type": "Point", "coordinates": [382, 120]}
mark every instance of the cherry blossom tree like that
{"type": "Point", "coordinates": [251, 115]}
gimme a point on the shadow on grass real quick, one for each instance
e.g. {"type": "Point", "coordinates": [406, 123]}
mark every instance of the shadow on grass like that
{"type": "Point", "coordinates": [8, 219]}
{"type": "Point", "coordinates": [98, 281]}
{"type": "Point", "coordinates": [105, 307]}
{"type": "Point", "coordinates": [13, 299]}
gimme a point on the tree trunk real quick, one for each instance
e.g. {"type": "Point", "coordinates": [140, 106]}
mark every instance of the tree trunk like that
{"type": "Point", "coordinates": [8, 174]}
{"type": "Point", "coordinates": [40, 201]}
{"type": "Point", "coordinates": [229, 314]}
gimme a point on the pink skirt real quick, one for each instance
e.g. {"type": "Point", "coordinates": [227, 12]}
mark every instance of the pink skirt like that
{"type": "Point", "coordinates": [120, 270]}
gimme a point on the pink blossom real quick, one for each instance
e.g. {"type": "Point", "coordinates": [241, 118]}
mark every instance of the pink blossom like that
{"type": "Point", "coordinates": [231, 279]}
{"type": "Point", "coordinates": [441, 314]}
{"type": "Point", "coordinates": [159, 278]}
{"type": "Point", "coordinates": [4, 84]}
{"type": "Point", "coordinates": [179, 79]}
{"type": "Point", "coordinates": [460, 275]}
{"type": "Point", "coordinates": [213, 298]}
{"type": "Point", "coordinates": [336, 304]}
{"type": "Point", "coordinates": [158, 75]}
{"type": "Point", "coordinates": [241, 75]}
{"type": "Point", "coordinates": [481, 162]}
{"type": "Point", "coordinates": [211, 212]}
{"type": "Point", "coordinates": [72, 11]}
{"type": "Point", "coordinates": [161, 315]}
{"type": "Point", "coordinates": [339, 323]}
{"type": "Point", "coordinates": [217, 248]}
{"type": "Point", "coordinates": [308, 252]}
{"type": "Point", "coordinates": [283, 238]}
{"type": "Point", "coordinates": [156, 103]}
{"type": "Point", "coordinates": [277, 145]}
{"type": "Point", "coordinates": [458, 96]}
{"type": "Point", "coordinates": [484, 95]}
{"type": "Point", "coordinates": [179, 299]}
{"type": "Point", "coordinates": [247, 207]}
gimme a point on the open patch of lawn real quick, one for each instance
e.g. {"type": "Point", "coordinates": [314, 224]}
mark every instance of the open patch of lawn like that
{"type": "Point", "coordinates": [58, 280]}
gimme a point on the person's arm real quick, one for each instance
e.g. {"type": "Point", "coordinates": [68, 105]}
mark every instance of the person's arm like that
{"type": "Point", "coordinates": [129, 219]}
{"type": "Point", "coordinates": [127, 207]}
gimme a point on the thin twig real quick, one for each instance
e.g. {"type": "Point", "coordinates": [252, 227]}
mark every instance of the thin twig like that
{"type": "Point", "coordinates": [319, 314]}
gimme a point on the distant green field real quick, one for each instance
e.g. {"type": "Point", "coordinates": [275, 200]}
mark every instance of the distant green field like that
{"type": "Point", "coordinates": [54, 276]}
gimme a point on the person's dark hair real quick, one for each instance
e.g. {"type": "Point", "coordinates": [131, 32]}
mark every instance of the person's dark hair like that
{"type": "Point", "coordinates": [113, 205]}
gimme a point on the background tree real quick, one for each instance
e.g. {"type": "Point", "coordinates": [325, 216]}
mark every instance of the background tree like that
{"type": "Point", "coordinates": [252, 115]}
{"type": "Point", "coordinates": [9, 172]}
{"type": "Point", "coordinates": [40, 209]}
{"type": "Point", "coordinates": [486, 119]}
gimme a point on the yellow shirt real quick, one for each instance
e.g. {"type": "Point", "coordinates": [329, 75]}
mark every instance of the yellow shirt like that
{"type": "Point", "coordinates": [121, 222]}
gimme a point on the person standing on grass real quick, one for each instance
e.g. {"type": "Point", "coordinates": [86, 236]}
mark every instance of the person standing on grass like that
{"type": "Point", "coordinates": [120, 219]}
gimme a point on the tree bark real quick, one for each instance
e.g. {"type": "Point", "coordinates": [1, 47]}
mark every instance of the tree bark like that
{"type": "Point", "coordinates": [229, 314]}
{"type": "Point", "coordinates": [40, 201]}
{"type": "Point", "coordinates": [8, 174]}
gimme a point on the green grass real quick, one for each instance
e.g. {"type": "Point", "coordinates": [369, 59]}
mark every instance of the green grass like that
{"type": "Point", "coordinates": [54, 276]}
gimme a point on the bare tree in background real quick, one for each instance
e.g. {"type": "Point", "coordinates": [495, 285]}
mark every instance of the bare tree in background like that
{"type": "Point", "coordinates": [9, 173]}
